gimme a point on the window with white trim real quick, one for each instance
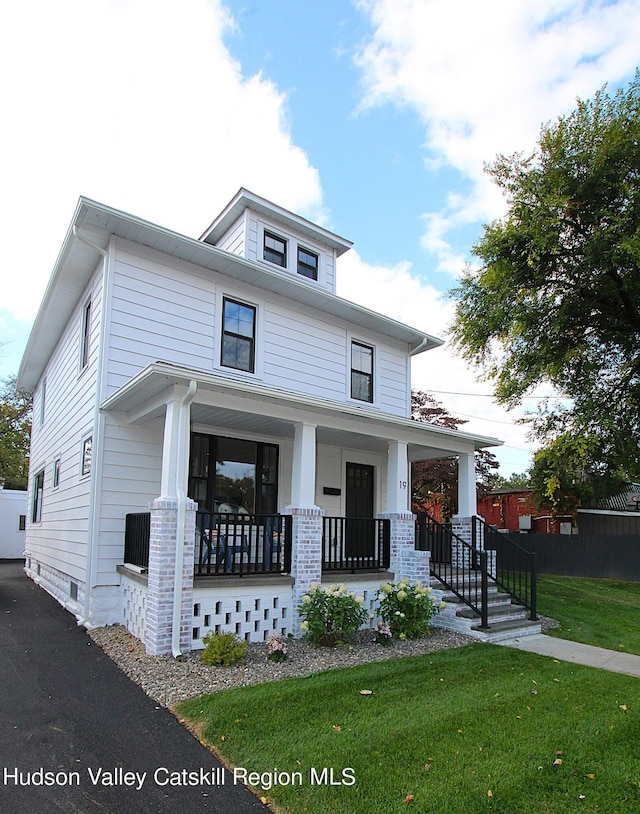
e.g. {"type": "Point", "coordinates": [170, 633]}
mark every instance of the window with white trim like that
{"type": "Point", "coordinates": [361, 372]}
{"type": "Point", "coordinates": [87, 450]}
{"type": "Point", "coordinates": [56, 473]}
{"type": "Point", "coordinates": [307, 263]}
{"type": "Point", "coordinates": [238, 335]}
{"type": "Point", "coordinates": [36, 498]}
{"type": "Point", "coordinates": [86, 335]}
{"type": "Point", "coordinates": [275, 249]}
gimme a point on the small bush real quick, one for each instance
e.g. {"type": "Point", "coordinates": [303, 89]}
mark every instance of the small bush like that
{"type": "Point", "coordinates": [276, 648]}
{"type": "Point", "coordinates": [331, 616]}
{"type": "Point", "coordinates": [223, 648]}
{"type": "Point", "coordinates": [406, 608]}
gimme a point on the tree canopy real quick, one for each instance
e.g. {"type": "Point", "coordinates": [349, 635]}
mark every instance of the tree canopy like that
{"type": "Point", "coordinates": [15, 434]}
{"type": "Point", "coordinates": [557, 297]}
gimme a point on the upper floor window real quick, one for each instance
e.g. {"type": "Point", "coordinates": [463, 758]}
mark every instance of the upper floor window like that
{"type": "Point", "coordinates": [86, 335]}
{"type": "Point", "coordinates": [238, 335]}
{"type": "Point", "coordinates": [275, 249]}
{"type": "Point", "coordinates": [87, 450]}
{"type": "Point", "coordinates": [36, 500]}
{"type": "Point", "coordinates": [361, 372]}
{"type": "Point", "coordinates": [307, 263]}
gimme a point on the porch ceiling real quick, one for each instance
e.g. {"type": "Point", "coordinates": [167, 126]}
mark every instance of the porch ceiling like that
{"type": "Point", "coordinates": [240, 406]}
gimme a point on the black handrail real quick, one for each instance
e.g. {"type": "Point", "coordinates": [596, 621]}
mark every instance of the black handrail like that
{"type": "Point", "coordinates": [515, 567]}
{"type": "Point", "coordinates": [137, 532]}
{"type": "Point", "coordinates": [242, 544]}
{"type": "Point", "coordinates": [355, 544]}
{"type": "Point", "coordinates": [458, 571]}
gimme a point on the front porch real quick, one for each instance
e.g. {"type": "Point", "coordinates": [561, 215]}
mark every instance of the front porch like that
{"type": "Point", "coordinates": [260, 486]}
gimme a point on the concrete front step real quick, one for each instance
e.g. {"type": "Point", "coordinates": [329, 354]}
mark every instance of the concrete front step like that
{"type": "Point", "coordinates": [501, 631]}
{"type": "Point", "coordinates": [509, 613]}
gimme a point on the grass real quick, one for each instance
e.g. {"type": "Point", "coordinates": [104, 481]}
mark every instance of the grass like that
{"type": "Point", "coordinates": [466, 731]}
{"type": "Point", "coordinates": [602, 612]}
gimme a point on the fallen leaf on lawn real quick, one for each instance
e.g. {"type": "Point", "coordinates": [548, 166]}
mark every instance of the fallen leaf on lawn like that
{"type": "Point", "coordinates": [557, 762]}
{"type": "Point", "coordinates": [533, 692]}
{"type": "Point", "coordinates": [366, 692]}
{"type": "Point", "coordinates": [427, 766]}
{"type": "Point", "coordinates": [263, 800]}
{"type": "Point", "coordinates": [337, 727]}
{"type": "Point", "coordinates": [223, 737]}
{"type": "Point", "coordinates": [489, 793]}
{"type": "Point", "coordinates": [591, 776]}
{"type": "Point", "coordinates": [623, 707]}
{"type": "Point", "coordinates": [557, 752]}
{"type": "Point", "coordinates": [408, 798]}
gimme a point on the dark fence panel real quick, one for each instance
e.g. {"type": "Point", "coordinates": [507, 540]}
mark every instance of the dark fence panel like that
{"type": "Point", "coordinates": [606, 525]}
{"type": "Point", "coordinates": [575, 555]}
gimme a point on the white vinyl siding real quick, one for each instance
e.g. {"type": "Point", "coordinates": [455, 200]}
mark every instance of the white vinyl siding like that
{"type": "Point", "coordinates": [60, 539]}
{"type": "Point", "coordinates": [233, 240]}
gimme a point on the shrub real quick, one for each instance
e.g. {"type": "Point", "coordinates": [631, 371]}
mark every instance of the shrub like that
{"type": "Point", "coordinates": [223, 648]}
{"type": "Point", "coordinates": [276, 647]}
{"type": "Point", "coordinates": [406, 608]}
{"type": "Point", "coordinates": [331, 616]}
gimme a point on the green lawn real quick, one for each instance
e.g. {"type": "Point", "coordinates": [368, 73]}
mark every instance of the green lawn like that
{"type": "Point", "coordinates": [601, 612]}
{"type": "Point", "coordinates": [477, 729]}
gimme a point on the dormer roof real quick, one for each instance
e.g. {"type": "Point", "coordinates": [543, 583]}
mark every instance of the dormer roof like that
{"type": "Point", "coordinates": [244, 199]}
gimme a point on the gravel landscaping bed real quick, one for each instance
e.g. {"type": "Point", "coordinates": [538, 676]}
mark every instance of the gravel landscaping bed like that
{"type": "Point", "coordinates": [168, 680]}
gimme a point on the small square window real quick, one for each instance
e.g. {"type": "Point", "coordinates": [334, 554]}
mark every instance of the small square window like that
{"type": "Point", "coordinates": [307, 263]}
{"type": "Point", "coordinates": [87, 449]}
{"type": "Point", "coordinates": [361, 372]}
{"type": "Point", "coordinates": [275, 249]}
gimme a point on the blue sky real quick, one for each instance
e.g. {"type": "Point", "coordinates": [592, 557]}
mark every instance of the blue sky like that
{"type": "Point", "coordinates": [374, 117]}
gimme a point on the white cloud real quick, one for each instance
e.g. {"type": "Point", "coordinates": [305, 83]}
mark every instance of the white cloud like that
{"type": "Point", "coordinates": [483, 76]}
{"type": "Point", "coordinates": [138, 104]}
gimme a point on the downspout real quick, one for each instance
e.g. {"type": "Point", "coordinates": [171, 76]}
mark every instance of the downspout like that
{"type": "Point", "coordinates": [181, 477]}
{"type": "Point", "coordinates": [97, 436]}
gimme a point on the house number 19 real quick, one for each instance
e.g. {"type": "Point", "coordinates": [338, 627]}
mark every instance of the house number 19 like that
{"type": "Point", "coordinates": [403, 484]}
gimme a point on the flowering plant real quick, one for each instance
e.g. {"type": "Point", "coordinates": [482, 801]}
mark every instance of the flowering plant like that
{"type": "Point", "coordinates": [276, 647]}
{"type": "Point", "coordinates": [406, 608]}
{"type": "Point", "coordinates": [383, 633]}
{"type": "Point", "coordinates": [330, 617]}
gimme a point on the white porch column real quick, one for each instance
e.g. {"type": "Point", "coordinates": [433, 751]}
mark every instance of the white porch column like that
{"type": "Point", "coordinates": [172, 450]}
{"type": "Point", "coordinates": [398, 478]}
{"type": "Point", "coordinates": [171, 545]}
{"type": "Point", "coordinates": [303, 485]}
{"type": "Point", "coordinates": [467, 501]}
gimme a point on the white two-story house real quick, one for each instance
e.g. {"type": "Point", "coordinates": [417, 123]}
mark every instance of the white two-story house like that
{"type": "Point", "coordinates": [214, 428]}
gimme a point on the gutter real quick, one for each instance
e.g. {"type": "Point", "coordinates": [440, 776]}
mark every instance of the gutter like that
{"type": "Point", "coordinates": [181, 478]}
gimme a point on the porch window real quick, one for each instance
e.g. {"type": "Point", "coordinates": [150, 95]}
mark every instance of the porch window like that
{"type": "Point", "coordinates": [232, 475]}
{"type": "Point", "coordinates": [361, 372]}
{"type": "Point", "coordinates": [238, 335]}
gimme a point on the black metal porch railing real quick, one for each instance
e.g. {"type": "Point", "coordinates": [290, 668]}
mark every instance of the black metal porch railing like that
{"type": "Point", "coordinates": [242, 544]}
{"type": "Point", "coordinates": [355, 544]}
{"type": "Point", "coordinates": [515, 567]}
{"type": "Point", "coordinates": [462, 571]}
{"type": "Point", "coordinates": [137, 531]}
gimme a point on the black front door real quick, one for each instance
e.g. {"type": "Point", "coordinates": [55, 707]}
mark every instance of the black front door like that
{"type": "Point", "coordinates": [360, 534]}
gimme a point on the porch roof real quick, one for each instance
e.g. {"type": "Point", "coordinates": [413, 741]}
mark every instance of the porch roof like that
{"type": "Point", "coordinates": [240, 405]}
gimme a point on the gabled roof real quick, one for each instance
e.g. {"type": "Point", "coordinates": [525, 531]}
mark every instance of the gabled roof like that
{"type": "Point", "coordinates": [88, 238]}
{"type": "Point", "coordinates": [244, 199]}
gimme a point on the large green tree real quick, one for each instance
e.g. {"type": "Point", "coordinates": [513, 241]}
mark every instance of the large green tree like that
{"type": "Point", "coordinates": [557, 296]}
{"type": "Point", "coordinates": [15, 434]}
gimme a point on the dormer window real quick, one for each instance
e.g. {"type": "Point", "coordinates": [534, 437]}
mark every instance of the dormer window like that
{"type": "Point", "coordinates": [275, 249]}
{"type": "Point", "coordinates": [307, 263]}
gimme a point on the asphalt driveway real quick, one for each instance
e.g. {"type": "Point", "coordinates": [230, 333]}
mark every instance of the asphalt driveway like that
{"type": "Point", "coordinates": [77, 736]}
